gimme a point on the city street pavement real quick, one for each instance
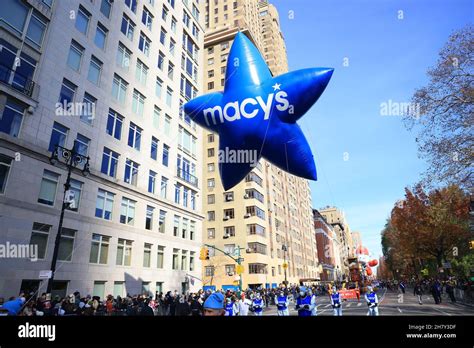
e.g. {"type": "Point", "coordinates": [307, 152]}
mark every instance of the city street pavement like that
{"type": "Point", "coordinates": [390, 303]}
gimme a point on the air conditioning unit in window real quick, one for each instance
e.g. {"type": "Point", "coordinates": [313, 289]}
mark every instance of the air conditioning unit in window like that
{"type": "Point", "coordinates": [246, 215]}
{"type": "Point", "coordinates": [246, 196]}
{"type": "Point", "coordinates": [226, 218]}
{"type": "Point", "coordinates": [226, 235]}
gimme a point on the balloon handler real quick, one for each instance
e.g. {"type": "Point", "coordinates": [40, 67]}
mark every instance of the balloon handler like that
{"type": "Point", "coordinates": [306, 303]}
{"type": "Point", "coordinates": [372, 302]}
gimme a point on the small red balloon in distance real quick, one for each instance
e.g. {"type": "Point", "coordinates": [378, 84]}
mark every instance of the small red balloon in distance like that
{"type": "Point", "coordinates": [373, 263]}
{"type": "Point", "coordinates": [369, 271]}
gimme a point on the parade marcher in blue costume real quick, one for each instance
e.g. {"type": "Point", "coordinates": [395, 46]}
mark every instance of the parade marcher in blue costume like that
{"type": "Point", "coordinates": [372, 302]}
{"type": "Point", "coordinates": [257, 305]}
{"type": "Point", "coordinates": [336, 302]}
{"type": "Point", "coordinates": [306, 303]}
{"type": "Point", "coordinates": [282, 302]}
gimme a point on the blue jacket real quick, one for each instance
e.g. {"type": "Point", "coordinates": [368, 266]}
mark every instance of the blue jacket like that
{"type": "Point", "coordinates": [13, 306]}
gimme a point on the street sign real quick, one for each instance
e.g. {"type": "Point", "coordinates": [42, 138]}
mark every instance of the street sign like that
{"type": "Point", "coordinates": [447, 264]}
{"type": "Point", "coordinates": [45, 274]}
{"type": "Point", "coordinates": [239, 269]}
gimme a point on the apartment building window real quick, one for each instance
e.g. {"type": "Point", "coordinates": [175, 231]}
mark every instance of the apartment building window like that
{"type": "Point", "coordinates": [258, 248]}
{"type": "Point", "coordinates": [105, 7]}
{"type": "Point", "coordinates": [173, 24]}
{"type": "Point", "coordinates": [127, 211]}
{"type": "Point", "coordinates": [66, 244]}
{"type": "Point", "coordinates": [169, 96]}
{"type": "Point", "coordinates": [210, 138]}
{"type": "Point", "coordinates": [229, 231]}
{"type": "Point", "coordinates": [134, 136]}
{"type": "Point", "coordinates": [138, 103]}
{"type": "Point", "coordinates": [147, 254]}
{"type": "Point", "coordinates": [177, 193]}
{"type": "Point", "coordinates": [164, 187]}
{"type": "Point", "coordinates": [252, 177]}
{"type": "Point", "coordinates": [172, 46]}
{"type": "Point", "coordinates": [252, 193]}
{"type": "Point", "coordinates": [154, 148]}
{"type": "Point", "coordinates": [144, 44]}
{"type": "Point", "coordinates": [229, 248]}
{"type": "Point", "coordinates": [185, 196]}
{"type": "Point", "coordinates": [210, 61]}
{"type": "Point", "coordinates": [11, 118]}
{"type": "Point", "coordinates": [124, 252]}
{"type": "Point", "coordinates": [49, 185]}
{"type": "Point", "coordinates": [104, 205]}
{"type": "Point", "coordinates": [160, 257]}
{"type": "Point", "coordinates": [211, 167]}
{"type": "Point", "coordinates": [192, 230]}
{"type": "Point", "coordinates": [5, 165]}
{"type": "Point", "coordinates": [230, 269]}
{"type": "Point", "coordinates": [124, 56]}
{"type": "Point", "coordinates": [39, 237]}
{"type": "Point", "coordinates": [175, 264]}
{"type": "Point", "coordinates": [210, 152]}
{"type": "Point", "coordinates": [228, 196]}
{"type": "Point", "coordinates": [210, 85]}
{"type": "Point", "coordinates": [149, 217]}
{"type": "Point", "coordinates": [163, 36]}
{"type": "Point", "coordinates": [68, 90]}
{"type": "Point", "coordinates": [167, 125]}
{"type": "Point", "coordinates": [151, 181]}
{"type": "Point", "coordinates": [82, 20]}
{"type": "Point", "coordinates": [158, 87]}
{"type": "Point", "coordinates": [147, 18]}
{"type": "Point", "coordinates": [211, 215]}
{"type": "Point", "coordinates": [74, 58]}
{"type": "Point", "coordinates": [255, 211]}
{"type": "Point", "coordinates": [193, 200]}
{"type": "Point", "coordinates": [100, 36]}
{"type": "Point", "coordinates": [162, 222]}
{"type": "Point", "coordinates": [81, 145]}
{"type": "Point", "coordinates": [257, 268]}
{"type": "Point", "coordinates": [156, 117]}
{"type": "Point", "coordinates": [109, 162]}
{"type": "Point", "coordinates": [170, 70]}
{"type": "Point", "coordinates": [209, 271]}
{"type": "Point", "coordinates": [114, 124]}
{"type": "Point", "coordinates": [184, 259]}
{"type": "Point", "coordinates": [211, 233]}
{"type": "Point", "coordinates": [131, 172]}
{"type": "Point", "coordinates": [58, 136]}
{"type": "Point", "coordinates": [128, 27]}
{"type": "Point", "coordinates": [141, 72]}
{"type": "Point", "coordinates": [99, 249]}
{"type": "Point", "coordinates": [165, 159]}
{"type": "Point", "coordinates": [211, 183]}
{"type": "Point", "coordinates": [132, 5]}
{"type": "Point", "coordinates": [184, 229]}
{"type": "Point", "coordinates": [191, 260]}
{"type": "Point", "coordinates": [95, 68]}
{"type": "Point", "coordinates": [255, 229]}
{"type": "Point", "coordinates": [76, 187]}
{"type": "Point", "coordinates": [211, 199]}
{"type": "Point", "coordinates": [119, 89]}
{"type": "Point", "coordinates": [229, 214]}
{"type": "Point", "coordinates": [161, 60]}
{"type": "Point", "coordinates": [88, 109]}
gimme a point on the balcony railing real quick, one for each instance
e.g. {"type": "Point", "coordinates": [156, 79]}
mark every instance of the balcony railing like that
{"type": "Point", "coordinates": [16, 80]}
{"type": "Point", "coordinates": [186, 176]}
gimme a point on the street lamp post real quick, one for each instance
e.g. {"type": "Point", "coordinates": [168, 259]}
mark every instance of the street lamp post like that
{"type": "Point", "coordinates": [285, 249]}
{"type": "Point", "coordinates": [72, 159]}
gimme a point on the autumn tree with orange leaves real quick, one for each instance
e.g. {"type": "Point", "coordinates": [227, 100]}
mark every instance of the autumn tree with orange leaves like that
{"type": "Point", "coordinates": [425, 227]}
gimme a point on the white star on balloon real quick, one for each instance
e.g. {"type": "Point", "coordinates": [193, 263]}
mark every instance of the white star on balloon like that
{"type": "Point", "coordinates": [276, 86]}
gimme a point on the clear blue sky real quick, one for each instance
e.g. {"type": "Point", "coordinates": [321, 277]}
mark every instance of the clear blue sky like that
{"type": "Point", "coordinates": [388, 59]}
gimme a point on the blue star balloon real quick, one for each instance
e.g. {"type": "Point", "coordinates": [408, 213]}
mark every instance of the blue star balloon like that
{"type": "Point", "coordinates": [256, 114]}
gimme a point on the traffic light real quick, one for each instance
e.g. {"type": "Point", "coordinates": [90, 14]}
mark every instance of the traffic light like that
{"type": "Point", "coordinates": [204, 254]}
